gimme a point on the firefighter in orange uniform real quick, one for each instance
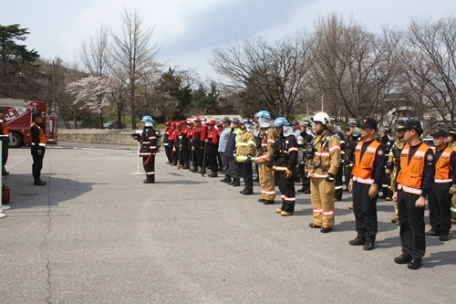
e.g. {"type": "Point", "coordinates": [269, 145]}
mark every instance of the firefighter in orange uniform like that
{"type": "Point", "coordinates": [4, 137]}
{"type": "Point", "coordinates": [38, 147]}
{"type": "Point", "coordinates": [415, 178]}
{"type": "Point", "coordinates": [444, 186]}
{"type": "Point", "coordinates": [323, 162]}
{"type": "Point", "coordinates": [367, 176]}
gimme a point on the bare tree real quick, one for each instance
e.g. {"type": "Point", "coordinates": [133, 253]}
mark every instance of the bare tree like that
{"type": "Point", "coordinates": [428, 59]}
{"type": "Point", "coordinates": [277, 73]}
{"type": "Point", "coordinates": [95, 55]}
{"type": "Point", "coordinates": [132, 55]}
{"type": "Point", "coordinates": [354, 69]}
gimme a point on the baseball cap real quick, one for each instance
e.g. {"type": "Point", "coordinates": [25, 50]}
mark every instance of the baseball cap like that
{"type": "Point", "coordinates": [369, 123]}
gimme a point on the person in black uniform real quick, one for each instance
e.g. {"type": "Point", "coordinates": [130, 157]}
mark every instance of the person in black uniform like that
{"type": "Point", "coordinates": [285, 159]}
{"type": "Point", "coordinates": [352, 137]}
{"type": "Point", "coordinates": [4, 137]}
{"type": "Point", "coordinates": [38, 147]}
{"type": "Point", "coordinates": [445, 185]}
{"type": "Point", "coordinates": [367, 177]}
{"type": "Point", "coordinates": [307, 138]}
{"type": "Point", "coordinates": [415, 178]}
{"type": "Point", "coordinates": [148, 140]}
{"type": "Point", "coordinates": [388, 143]}
{"type": "Point", "coordinates": [340, 172]}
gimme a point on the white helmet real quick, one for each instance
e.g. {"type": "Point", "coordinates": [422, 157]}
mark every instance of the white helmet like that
{"type": "Point", "coordinates": [324, 119]}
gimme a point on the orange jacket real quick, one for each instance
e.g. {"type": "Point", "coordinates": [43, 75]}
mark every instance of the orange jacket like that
{"type": "Point", "coordinates": [364, 167]}
{"type": "Point", "coordinates": [3, 128]}
{"type": "Point", "coordinates": [443, 167]}
{"type": "Point", "coordinates": [410, 177]}
{"type": "Point", "coordinates": [42, 136]}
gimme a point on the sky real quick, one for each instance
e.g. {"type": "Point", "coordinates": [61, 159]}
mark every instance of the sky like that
{"type": "Point", "coordinates": [187, 31]}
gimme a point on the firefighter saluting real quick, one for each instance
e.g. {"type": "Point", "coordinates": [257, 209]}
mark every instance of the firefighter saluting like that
{"type": "Point", "coordinates": [285, 158]}
{"type": "Point", "coordinates": [148, 140]}
{"type": "Point", "coordinates": [323, 161]}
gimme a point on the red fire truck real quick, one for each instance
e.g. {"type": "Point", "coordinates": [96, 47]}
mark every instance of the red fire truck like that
{"type": "Point", "coordinates": [19, 119]}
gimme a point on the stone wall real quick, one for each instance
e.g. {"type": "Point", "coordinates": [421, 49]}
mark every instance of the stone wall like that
{"type": "Point", "coordinates": [118, 137]}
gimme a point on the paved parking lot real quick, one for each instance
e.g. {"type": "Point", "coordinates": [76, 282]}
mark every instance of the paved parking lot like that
{"type": "Point", "coordinates": [96, 234]}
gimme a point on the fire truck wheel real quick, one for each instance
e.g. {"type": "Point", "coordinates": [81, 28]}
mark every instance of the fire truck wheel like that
{"type": "Point", "coordinates": [16, 140]}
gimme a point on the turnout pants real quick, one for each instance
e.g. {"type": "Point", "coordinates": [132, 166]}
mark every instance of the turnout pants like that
{"type": "Point", "coordinates": [453, 206]}
{"type": "Point", "coordinates": [287, 191]}
{"type": "Point", "coordinates": [440, 208]}
{"type": "Point", "coordinates": [37, 161]}
{"type": "Point", "coordinates": [411, 222]}
{"type": "Point", "coordinates": [149, 166]}
{"type": "Point", "coordinates": [322, 198]}
{"type": "Point", "coordinates": [365, 210]}
{"type": "Point", "coordinates": [267, 182]}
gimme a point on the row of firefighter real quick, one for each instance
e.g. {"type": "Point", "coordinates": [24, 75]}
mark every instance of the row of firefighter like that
{"type": "Point", "coordinates": [324, 159]}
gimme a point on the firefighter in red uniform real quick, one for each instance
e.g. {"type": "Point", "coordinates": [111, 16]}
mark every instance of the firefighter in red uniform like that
{"type": "Point", "coordinates": [172, 138]}
{"type": "Point", "coordinates": [199, 135]}
{"type": "Point", "coordinates": [38, 147]}
{"type": "Point", "coordinates": [4, 137]}
{"type": "Point", "coordinates": [444, 186]}
{"type": "Point", "coordinates": [416, 170]}
{"type": "Point", "coordinates": [190, 131]}
{"type": "Point", "coordinates": [367, 176]}
{"type": "Point", "coordinates": [211, 147]}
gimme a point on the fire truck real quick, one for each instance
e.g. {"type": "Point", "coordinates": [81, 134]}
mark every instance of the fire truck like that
{"type": "Point", "coordinates": [19, 119]}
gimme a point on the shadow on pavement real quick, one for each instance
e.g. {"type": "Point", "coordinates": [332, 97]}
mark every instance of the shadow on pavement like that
{"type": "Point", "coordinates": [23, 194]}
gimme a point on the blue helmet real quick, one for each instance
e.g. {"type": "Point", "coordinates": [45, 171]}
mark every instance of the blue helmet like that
{"type": "Point", "coordinates": [147, 118]}
{"type": "Point", "coordinates": [263, 114]}
{"type": "Point", "coordinates": [280, 122]}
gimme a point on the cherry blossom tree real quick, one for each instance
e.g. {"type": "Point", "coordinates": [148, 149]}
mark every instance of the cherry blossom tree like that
{"type": "Point", "coordinates": [91, 94]}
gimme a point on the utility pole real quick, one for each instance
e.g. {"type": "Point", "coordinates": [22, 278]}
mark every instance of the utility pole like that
{"type": "Point", "coordinates": [53, 90]}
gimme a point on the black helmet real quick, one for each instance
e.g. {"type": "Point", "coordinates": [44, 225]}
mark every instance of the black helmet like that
{"type": "Point", "coordinates": [245, 121]}
{"type": "Point", "coordinates": [452, 131]}
{"type": "Point", "coordinates": [387, 129]}
{"type": "Point", "coordinates": [400, 125]}
{"type": "Point", "coordinates": [334, 119]}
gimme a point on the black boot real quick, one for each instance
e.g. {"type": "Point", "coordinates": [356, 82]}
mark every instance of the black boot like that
{"type": "Point", "coordinates": [236, 182]}
{"type": "Point", "coordinates": [224, 180]}
{"type": "Point", "coordinates": [228, 180]}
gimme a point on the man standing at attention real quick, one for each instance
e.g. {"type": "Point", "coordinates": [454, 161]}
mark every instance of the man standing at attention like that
{"type": "Point", "coordinates": [38, 147]}
{"type": "Point", "coordinates": [367, 176]}
{"type": "Point", "coordinates": [414, 181]}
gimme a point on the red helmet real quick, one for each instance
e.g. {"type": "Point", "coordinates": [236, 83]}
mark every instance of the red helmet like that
{"type": "Point", "coordinates": [167, 124]}
{"type": "Point", "coordinates": [178, 124]}
{"type": "Point", "coordinates": [173, 124]}
{"type": "Point", "coordinates": [212, 122]}
{"type": "Point", "coordinates": [198, 120]}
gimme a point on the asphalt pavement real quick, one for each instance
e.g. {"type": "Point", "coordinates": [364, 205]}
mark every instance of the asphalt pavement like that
{"type": "Point", "coordinates": [96, 234]}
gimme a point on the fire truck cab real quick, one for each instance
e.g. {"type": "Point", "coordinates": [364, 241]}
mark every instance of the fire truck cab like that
{"type": "Point", "coordinates": [19, 119]}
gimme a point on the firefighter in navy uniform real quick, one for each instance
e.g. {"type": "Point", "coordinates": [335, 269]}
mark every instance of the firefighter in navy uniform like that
{"type": "Point", "coordinates": [4, 137]}
{"type": "Point", "coordinates": [38, 147]}
{"type": "Point", "coordinates": [323, 162]}
{"type": "Point", "coordinates": [415, 178]}
{"type": "Point", "coordinates": [148, 141]}
{"type": "Point", "coordinates": [339, 188]}
{"type": "Point", "coordinates": [393, 161]}
{"type": "Point", "coordinates": [285, 159]}
{"type": "Point", "coordinates": [444, 186]}
{"type": "Point", "coordinates": [388, 143]}
{"type": "Point", "coordinates": [367, 177]}
{"type": "Point", "coordinates": [304, 141]}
